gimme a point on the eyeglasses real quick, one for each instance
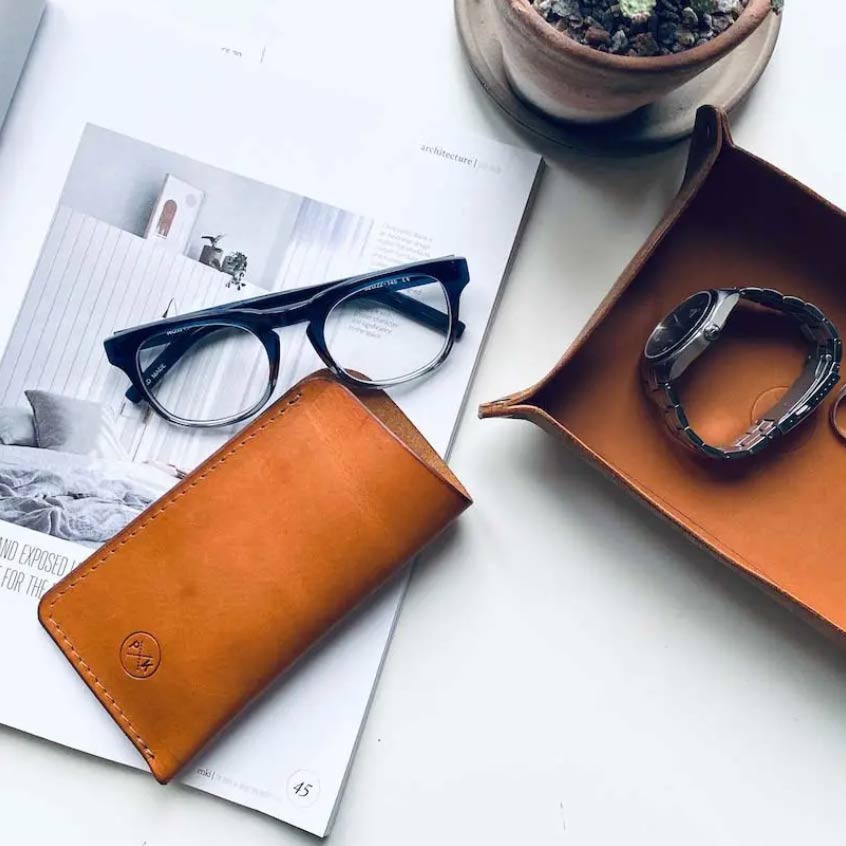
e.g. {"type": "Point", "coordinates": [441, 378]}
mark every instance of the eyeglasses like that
{"type": "Point", "coordinates": [220, 365]}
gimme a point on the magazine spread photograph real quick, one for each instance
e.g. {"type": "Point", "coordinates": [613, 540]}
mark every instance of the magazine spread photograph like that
{"type": "Point", "coordinates": [151, 207]}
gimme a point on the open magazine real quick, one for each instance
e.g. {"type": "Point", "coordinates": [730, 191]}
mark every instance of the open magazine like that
{"type": "Point", "coordinates": [152, 189]}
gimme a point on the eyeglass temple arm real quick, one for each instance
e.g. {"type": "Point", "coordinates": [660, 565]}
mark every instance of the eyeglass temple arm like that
{"type": "Point", "coordinates": [158, 368]}
{"type": "Point", "coordinates": [419, 311]}
{"type": "Point", "coordinates": [287, 301]}
{"type": "Point", "coordinates": [409, 306]}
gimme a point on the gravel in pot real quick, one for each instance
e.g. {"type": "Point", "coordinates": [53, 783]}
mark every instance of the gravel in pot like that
{"type": "Point", "coordinates": [641, 27]}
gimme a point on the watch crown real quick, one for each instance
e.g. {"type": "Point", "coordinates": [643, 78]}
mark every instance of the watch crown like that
{"type": "Point", "coordinates": [712, 332]}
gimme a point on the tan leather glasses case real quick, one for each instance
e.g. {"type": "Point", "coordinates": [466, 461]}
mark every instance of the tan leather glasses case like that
{"type": "Point", "coordinates": [200, 603]}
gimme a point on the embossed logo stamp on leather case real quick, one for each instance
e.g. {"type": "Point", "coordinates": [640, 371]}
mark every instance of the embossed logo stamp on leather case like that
{"type": "Point", "coordinates": [140, 655]}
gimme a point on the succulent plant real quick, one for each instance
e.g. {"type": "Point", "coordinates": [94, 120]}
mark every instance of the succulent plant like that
{"type": "Point", "coordinates": [637, 9]}
{"type": "Point", "coordinates": [235, 264]}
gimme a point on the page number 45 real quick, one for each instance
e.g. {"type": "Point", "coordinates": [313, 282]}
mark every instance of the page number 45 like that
{"type": "Point", "coordinates": [303, 788]}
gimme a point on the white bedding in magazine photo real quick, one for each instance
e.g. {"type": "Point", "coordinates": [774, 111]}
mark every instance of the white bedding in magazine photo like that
{"type": "Point", "coordinates": [124, 162]}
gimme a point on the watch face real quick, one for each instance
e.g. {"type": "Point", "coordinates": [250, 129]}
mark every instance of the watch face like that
{"type": "Point", "coordinates": [678, 325]}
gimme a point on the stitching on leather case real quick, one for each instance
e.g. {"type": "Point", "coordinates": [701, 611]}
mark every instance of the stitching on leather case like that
{"type": "Point", "coordinates": [92, 568]}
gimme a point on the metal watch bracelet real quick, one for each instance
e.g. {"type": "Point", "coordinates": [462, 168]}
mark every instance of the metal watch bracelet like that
{"type": "Point", "coordinates": [819, 376]}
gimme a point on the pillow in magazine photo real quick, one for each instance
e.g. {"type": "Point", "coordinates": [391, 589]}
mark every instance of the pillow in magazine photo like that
{"type": "Point", "coordinates": [76, 426]}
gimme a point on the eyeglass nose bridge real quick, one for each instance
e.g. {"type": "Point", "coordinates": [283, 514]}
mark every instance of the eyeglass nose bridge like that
{"type": "Point", "coordinates": [315, 334]}
{"type": "Point", "coordinates": [273, 346]}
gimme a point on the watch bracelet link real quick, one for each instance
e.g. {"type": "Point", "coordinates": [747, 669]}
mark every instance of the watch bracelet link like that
{"type": "Point", "coordinates": [813, 323]}
{"type": "Point", "coordinates": [815, 327]}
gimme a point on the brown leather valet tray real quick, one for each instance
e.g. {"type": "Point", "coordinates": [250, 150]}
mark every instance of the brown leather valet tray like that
{"type": "Point", "coordinates": [776, 517]}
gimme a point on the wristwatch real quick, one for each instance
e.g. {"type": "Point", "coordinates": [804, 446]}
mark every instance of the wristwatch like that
{"type": "Point", "coordinates": [690, 329]}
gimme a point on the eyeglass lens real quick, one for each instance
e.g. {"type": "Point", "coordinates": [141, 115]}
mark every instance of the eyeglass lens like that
{"type": "Point", "coordinates": [393, 332]}
{"type": "Point", "coordinates": [209, 374]}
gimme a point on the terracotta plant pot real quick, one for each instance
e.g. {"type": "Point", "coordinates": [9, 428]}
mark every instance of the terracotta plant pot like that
{"type": "Point", "coordinates": [570, 81]}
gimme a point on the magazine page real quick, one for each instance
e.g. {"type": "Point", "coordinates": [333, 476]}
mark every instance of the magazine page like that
{"type": "Point", "coordinates": [137, 190]}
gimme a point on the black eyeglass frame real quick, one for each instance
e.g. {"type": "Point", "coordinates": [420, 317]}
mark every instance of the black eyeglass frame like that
{"type": "Point", "coordinates": [261, 316]}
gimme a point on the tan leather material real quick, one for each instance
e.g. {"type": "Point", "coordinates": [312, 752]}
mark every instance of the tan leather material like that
{"type": "Point", "coordinates": [777, 517]}
{"type": "Point", "coordinates": [198, 605]}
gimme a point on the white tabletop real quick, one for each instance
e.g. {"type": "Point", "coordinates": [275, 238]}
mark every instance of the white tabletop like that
{"type": "Point", "coordinates": [566, 669]}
